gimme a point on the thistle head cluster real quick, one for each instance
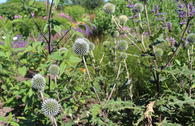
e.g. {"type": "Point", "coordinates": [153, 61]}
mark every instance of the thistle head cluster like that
{"type": "Point", "coordinates": [109, 8]}
{"type": "Point", "coordinates": [38, 82]}
{"type": "Point", "coordinates": [123, 19]}
{"type": "Point", "coordinates": [191, 38]}
{"type": "Point", "coordinates": [122, 45]}
{"type": "Point", "coordinates": [54, 70]}
{"type": "Point", "coordinates": [50, 107]}
{"type": "Point", "coordinates": [138, 8]}
{"type": "Point", "coordinates": [81, 46]}
{"type": "Point", "coordinates": [115, 34]}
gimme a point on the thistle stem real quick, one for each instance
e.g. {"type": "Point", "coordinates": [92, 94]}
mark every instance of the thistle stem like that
{"type": "Point", "coordinates": [98, 98]}
{"type": "Point", "coordinates": [125, 62]}
{"type": "Point", "coordinates": [146, 14]}
{"type": "Point", "coordinates": [119, 71]}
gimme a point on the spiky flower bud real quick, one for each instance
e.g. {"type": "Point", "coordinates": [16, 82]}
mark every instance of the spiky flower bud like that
{"type": "Point", "coordinates": [123, 56]}
{"type": "Point", "coordinates": [50, 107]}
{"type": "Point", "coordinates": [158, 52]}
{"type": "Point", "coordinates": [138, 8]}
{"type": "Point", "coordinates": [115, 34]}
{"type": "Point", "coordinates": [81, 46]}
{"type": "Point", "coordinates": [123, 19]}
{"type": "Point", "coordinates": [91, 46]}
{"type": "Point", "coordinates": [54, 70]}
{"type": "Point", "coordinates": [38, 82]}
{"type": "Point", "coordinates": [63, 50]}
{"type": "Point", "coordinates": [109, 8]}
{"type": "Point", "coordinates": [122, 45]}
{"type": "Point", "coordinates": [107, 44]}
{"type": "Point", "coordinates": [191, 38]}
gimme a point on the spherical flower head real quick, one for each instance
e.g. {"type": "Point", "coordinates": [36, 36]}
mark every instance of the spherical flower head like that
{"type": "Point", "coordinates": [54, 70]}
{"type": "Point", "coordinates": [81, 46]}
{"type": "Point", "coordinates": [191, 38]}
{"type": "Point", "coordinates": [123, 19]}
{"type": "Point", "coordinates": [158, 52]}
{"type": "Point", "coordinates": [115, 34]}
{"type": "Point", "coordinates": [91, 46]}
{"type": "Point", "coordinates": [50, 107]}
{"type": "Point", "coordinates": [138, 8]}
{"type": "Point", "coordinates": [38, 82]}
{"type": "Point", "coordinates": [62, 50]}
{"type": "Point", "coordinates": [107, 44]}
{"type": "Point", "coordinates": [109, 8]}
{"type": "Point", "coordinates": [123, 56]}
{"type": "Point", "coordinates": [122, 45]}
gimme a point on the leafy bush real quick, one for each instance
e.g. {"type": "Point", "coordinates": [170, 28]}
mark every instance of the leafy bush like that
{"type": "Point", "coordinates": [75, 11]}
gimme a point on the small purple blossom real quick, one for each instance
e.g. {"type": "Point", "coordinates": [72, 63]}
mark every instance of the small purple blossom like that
{"type": "Point", "coordinates": [67, 17]}
{"type": "Point", "coordinates": [156, 9]}
{"type": "Point", "coordinates": [172, 41]}
{"type": "Point", "coordinates": [17, 16]}
{"type": "Point", "coordinates": [182, 23]}
{"type": "Point", "coordinates": [1, 17]}
{"type": "Point", "coordinates": [181, 6]}
{"type": "Point", "coordinates": [19, 44]}
{"type": "Point", "coordinates": [84, 28]}
{"type": "Point", "coordinates": [169, 26]}
{"type": "Point", "coordinates": [32, 14]}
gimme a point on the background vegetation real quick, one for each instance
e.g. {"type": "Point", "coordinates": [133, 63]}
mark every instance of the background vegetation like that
{"type": "Point", "coordinates": [150, 83]}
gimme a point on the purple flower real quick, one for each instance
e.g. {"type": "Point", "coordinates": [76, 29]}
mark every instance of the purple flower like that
{"type": "Point", "coordinates": [181, 6]}
{"type": "Point", "coordinates": [17, 16]}
{"type": "Point", "coordinates": [19, 44]}
{"type": "Point", "coordinates": [32, 14]}
{"type": "Point", "coordinates": [1, 17]}
{"type": "Point", "coordinates": [130, 5]}
{"type": "Point", "coordinates": [45, 17]}
{"type": "Point", "coordinates": [182, 14]}
{"type": "Point", "coordinates": [182, 23]}
{"type": "Point", "coordinates": [84, 28]}
{"type": "Point", "coordinates": [169, 26]}
{"type": "Point", "coordinates": [156, 9]}
{"type": "Point", "coordinates": [67, 17]}
{"type": "Point", "coordinates": [1, 43]}
{"type": "Point", "coordinates": [172, 41]}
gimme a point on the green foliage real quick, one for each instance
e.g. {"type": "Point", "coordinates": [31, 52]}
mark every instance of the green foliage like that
{"type": "Point", "coordinates": [106, 87]}
{"type": "Point", "coordinates": [75, 11]}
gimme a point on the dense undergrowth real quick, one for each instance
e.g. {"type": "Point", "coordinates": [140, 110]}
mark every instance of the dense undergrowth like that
{"type": "Point", "coordinates": [124, 63]}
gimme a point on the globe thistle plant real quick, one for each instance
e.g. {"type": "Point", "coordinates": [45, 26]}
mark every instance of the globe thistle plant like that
{"type": "Point", "coordinates": [54, 70]}
{"type": "Point", "coordinates": [122, 45]}
{"type": "Point", "coordinates": [138, 8]}
{"type": "Point", "coordinates": [91, 46]}
{"type": "Point", "coordinates": [123, 56]}
{"type": "Point", "coordinates": [123, 19]}
{"type": "Point", "coordinates": [191, 38]}
{"type": "Point", "coordinates": [50, 107]}
{"type": "Point", "coordinates": [115, 34]}
{"type": "Point", "coordinates": [81, 46]}
{"type": "Point", "coordinates": [38, 82]}
{"type": "Point", "coordinates": [109, 8]}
